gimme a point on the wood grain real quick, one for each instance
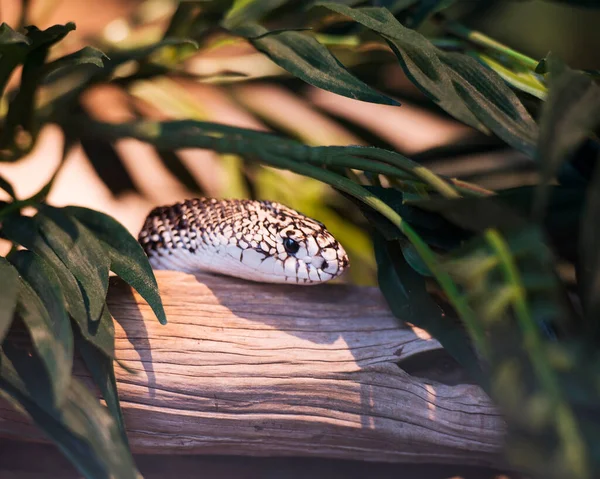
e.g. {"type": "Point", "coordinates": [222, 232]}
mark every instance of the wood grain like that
{"type": "Point", "coordinates": [268, 370]}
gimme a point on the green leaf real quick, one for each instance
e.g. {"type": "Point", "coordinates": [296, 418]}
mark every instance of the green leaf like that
{"type": "Point", "coordinates": [6, 186]}
{"type": "Point", "coordinates": [415, 261]}
{"type": "Point", "coordinates": [305, 58]}
{"type": "Point", "coordinates": [119, 57]}
{"type": "Point", "coordinates": [21, 108]}
{"type": "Point", "coordinates": [512, 209]}
{"type": "Point", "coordinates": [127, 258]}
{"type": "Point", "coordinates": [81, 427]}
{"type": "Point", "coordinates": [406, 294]}
{"type": "Point", "coordinates": [25, 231]}
{"type": "Point", "coordinates": [459, 84]}
{"type": "Point", "coordinates": [433, 228]}
{"type": "Point", "coordinates": [569, 116]}
{"type": "Point", "coordinates": [517, 76]}
{"type": "Point", "coordinates": [50, 36]}
{"type": "Point", "coordinates": [80, 252]}
{"type": "Point", "coordinates": [102, 369]}
{"type": "Point", "coordinates": [9, 38]}
{"type": "Point", "coordinates": [249, 11]}
{"type": "Point", "coordinates": [13, 48]}
{"type": "Point", "coordinates": [41, 308]}
{"type": "Point", "coordinates": [85, 56]}
{"type": "Point", "coordinates": [9, 287]}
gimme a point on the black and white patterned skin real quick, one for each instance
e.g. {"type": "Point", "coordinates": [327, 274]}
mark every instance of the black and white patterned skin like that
{"type": "Point", "coordinates": [255, 240]}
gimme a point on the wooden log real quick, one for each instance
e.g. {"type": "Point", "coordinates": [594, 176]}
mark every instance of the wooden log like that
{"type": "Point", "coordinates": [268, 370]}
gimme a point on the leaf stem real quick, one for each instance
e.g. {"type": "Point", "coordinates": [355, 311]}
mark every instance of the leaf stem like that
{"type": "Point", "coordinates": [400, 161]}
{"type": "Point", "coordinates": [483, 40]}
{"type": "Point", "coordinates": [575, 447]}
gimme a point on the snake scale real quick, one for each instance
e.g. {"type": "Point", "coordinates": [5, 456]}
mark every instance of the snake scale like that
{"type": "Point", "coordinates": [259, 241]}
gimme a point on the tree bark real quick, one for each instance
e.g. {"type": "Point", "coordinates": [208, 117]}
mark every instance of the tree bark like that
{"type": "Point", "coordinates": [268, 370]}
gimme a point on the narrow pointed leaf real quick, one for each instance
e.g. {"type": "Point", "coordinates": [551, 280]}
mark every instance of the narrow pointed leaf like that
{"type": "Point", "coordinates": [9, 287]}
{"type": "Point", "coordinates": [433, 228]}
{"type": "Point", "coordinates": [10, 38]}
{"type": "Point", "coordinates": [570, 114]}
{"type": "Point", "coordinates": [85, 56]}
{"type": "Point", "coordinates": [25, 231]}
{"type": "Point", "coordinates": [13, 48]}
{"type": "Point", "coordinates": [20, 112]}
{"type": "Point", "coordinates": [122, 56]}
{"type": "Point", "coordinates": [304, 57]}
{"type": "Point", "coordinates": [52, 341]}
{"type": "Point", "coordinates": [127, 258]}
{"type": "Point", "coordinates": [458, 83]}
{"type": "Point", "coordinates": [81, 253]}
{"type": "Point", "coordinates": [102, 370]}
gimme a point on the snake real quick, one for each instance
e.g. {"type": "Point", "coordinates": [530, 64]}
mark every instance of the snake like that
{"type": "Point", "coordinates": [256, 240]}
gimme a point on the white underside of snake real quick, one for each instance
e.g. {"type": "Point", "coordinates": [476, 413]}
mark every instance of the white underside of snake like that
{"type": "Point", "coordinates": [255, 240]}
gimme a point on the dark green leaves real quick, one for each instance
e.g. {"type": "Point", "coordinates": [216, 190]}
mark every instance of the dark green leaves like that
{"type": "Point", "coordinates": [569, 116]}
{"type": "Point", "coordinates": [433, 228]}
{"type": "Point", "coordinates": [41, 307]}
{"type": "Point", "coordinates": [13, 48]}
{"type": "Point", "coordinates": [81, 427]}
{"type": "Point", "coordinates": [26, 232]}
{"type": "Point", "coordinates": [127, 258]}
{"type": "Point", "coordinates": [510, 283]}
{"type": "Point", "coordinates": [9, 38]}
{"type": "Point", "coordinates": [87, 55]}
{"type": "Point", "coordinates": [102, 370]}
{"type": "Point", "coordinates": [65, 272]}
{"type": "Point", "coordinates": [305, 58]}
{"type": "Point", "coordinates": [405, 292]}
{"type": "Point", "coordinates": [81, 253]}
{"type": "Point", "coordinates": [145, 52]}
{"type": "Point", "coordinates": [457, 83]}
{"type": "Point", "coordinates": [20, 116]}
{"type": "Point", "coordinates": [9, 286]}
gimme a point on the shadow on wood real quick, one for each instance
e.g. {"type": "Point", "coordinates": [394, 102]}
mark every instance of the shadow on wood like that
{"type": "Point", "coordinates": [268, 370]}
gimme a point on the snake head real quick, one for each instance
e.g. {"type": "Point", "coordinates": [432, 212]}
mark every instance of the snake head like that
{"type": "Point", "coordinates": [306, 252]}
{"type": "Point", "coordinates": [256, 240]}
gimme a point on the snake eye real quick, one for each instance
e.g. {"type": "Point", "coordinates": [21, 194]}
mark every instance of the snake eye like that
{"type": "Point", "coordinates": [291, 246]}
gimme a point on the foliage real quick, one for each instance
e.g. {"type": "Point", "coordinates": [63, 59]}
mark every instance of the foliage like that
{"type": "Point", "coordinates": [494, 256]}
